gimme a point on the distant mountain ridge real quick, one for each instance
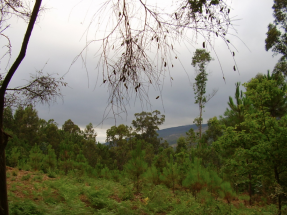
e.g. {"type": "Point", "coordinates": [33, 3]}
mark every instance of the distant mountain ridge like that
{"type": "Point", "coordinates": [172, 134]}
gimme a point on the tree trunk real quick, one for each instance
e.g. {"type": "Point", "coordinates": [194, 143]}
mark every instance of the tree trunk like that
{"type": "Point", "coordinates": [3, 185]}
{"type": "Point", "coordinates": [200, 122]}
{"type": "Point", "coordinates": [279, 199]}
{"type": "Point", "coordinates": [249, 185]}
{"type": "Point", "coordinates": [4, 137]}
{"type": "Point", "coordinates": [250, 189]}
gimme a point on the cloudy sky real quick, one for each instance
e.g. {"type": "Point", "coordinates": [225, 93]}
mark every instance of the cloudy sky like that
{"type": "Point", "coordinates": [58, 38]}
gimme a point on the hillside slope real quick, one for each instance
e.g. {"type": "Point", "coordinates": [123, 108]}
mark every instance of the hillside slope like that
{"type": "Point", "coordinates": [172, 134]}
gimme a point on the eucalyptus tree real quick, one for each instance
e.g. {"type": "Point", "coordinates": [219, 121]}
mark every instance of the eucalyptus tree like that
{"type": "Point", "coordinates": [146, 123]}
{"type": "Point", "coordinates": [90, 133]}
{"type": "Point", "coordinates": [120, 143]}
{"type": "Point", "coordinates": [200, 60]}
{"type": "Point", "coordinates": [277, 31]}
{"type": "Point", "coordinates": [70, 127]}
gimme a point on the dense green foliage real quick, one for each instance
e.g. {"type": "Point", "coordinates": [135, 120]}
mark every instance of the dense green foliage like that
{"type": "Point", "coordinates": [241, 160]}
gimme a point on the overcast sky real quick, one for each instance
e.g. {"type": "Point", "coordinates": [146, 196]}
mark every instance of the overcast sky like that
{"type": "Point", "coordinates": [57, 39]}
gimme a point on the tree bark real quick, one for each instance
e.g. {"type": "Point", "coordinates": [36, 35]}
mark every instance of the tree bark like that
{"type": "Point", "coordinates": [250, 190]}
{"type": "Point", "coordinates": [200, 122]}
{"type": "Point", "coordinates": [4, 137]}
{"type": "Point", "coordinates": [279, 199]}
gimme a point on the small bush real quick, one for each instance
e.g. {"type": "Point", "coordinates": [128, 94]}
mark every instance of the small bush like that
{"type": "Point", "coordinates": [35, 195]}
{"type": "Point", "coordinates": [26, 167]}
{"type": "Point", "coordinates": [98, 198]}
{"type": "Point", "coordinates": [25, 192]}
{"type": "Point", "coordinates": [8, 175]}
{"type": "Point", "coordinates": [52, 174]}
{"type": "Point", "coordinates": [13, 188]}
{"type": "Point", "coordinates": [25, 207]}
{"type": "Point", "coordinates": [38, 178]}
{"type": "Point", "coordinates": [25, 177]}
{"type": "Point", "coordinates": [14, 173]}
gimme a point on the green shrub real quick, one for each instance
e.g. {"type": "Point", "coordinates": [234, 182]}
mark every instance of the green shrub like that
{"type": "Point", "coordinates": [13, 188]}
{"type": "Point", "coordinates": [49, 160]}
{"type": "Point", "coordinates": [98, 198]}
{"type": "Point", "coordinates": [159, 199]}
{"type": "Point", "coordinates": [126, 194]}
{"type": "Point", "coordinates": [24, 208]}
{"type": "Point", "coordinates": [136, 166]}
{"type": "Point", "coordinates": [35, 195]}
{"type": "Point", "coordinates": [36, 157]}
{"type": "Point", "coordinates": [153, 175]}
{"type": "Point", "coordinates": [51, 197]}
{"type": "Point", "coordinates": [38, 178]}
{"type": "Point", "coordinates": [8, 175]}
{"type": "Point", "coordinates": [13, 157]}
{"type": "Point", "coordinates": [52, 174]}
{"type": "Point", "coordinates": [106, 173]}
{"type": "Point", "coordinates": [26, 177]}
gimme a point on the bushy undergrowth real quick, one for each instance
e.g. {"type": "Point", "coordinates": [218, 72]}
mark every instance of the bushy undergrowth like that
{"type": "Point", "coordinates": [68, 195]}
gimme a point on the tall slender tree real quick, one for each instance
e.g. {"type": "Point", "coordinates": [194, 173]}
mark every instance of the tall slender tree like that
{"type": "Point", "coordinates": [200, 60]}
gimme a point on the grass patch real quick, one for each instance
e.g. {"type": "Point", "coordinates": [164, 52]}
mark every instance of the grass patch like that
{"type": "Point", "coordinates": [68, 195]}
{"type": "Point", "coordinates": [38, 178]}
{"type": "Point", "coordinates": [26, 177]}
{"type": "Point", "coordinates": [25, 207]}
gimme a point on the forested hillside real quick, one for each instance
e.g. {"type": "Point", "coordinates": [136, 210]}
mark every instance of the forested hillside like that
{"type": "Point", "coordinates": [172, 134]}
{"type": "Point", "coordinates": [240, 160]}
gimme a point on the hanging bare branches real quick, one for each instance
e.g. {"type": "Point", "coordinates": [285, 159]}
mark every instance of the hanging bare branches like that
{"type": "Point", "coordinates": [138, 43]}
{"type": "Point", "coordinates": [41, 88]}
{"type": "Point", "coordinates": [9, 8]}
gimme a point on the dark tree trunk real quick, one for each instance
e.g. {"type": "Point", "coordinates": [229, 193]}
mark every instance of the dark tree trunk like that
{"type": "Point", "coordinates": [249, 185]}
{"type": "Point", "coordinates": [279, 198]}
{"type": "Point", "coordinates": [3, 185]}
{"type": "Point", "coordinates": [4, 137]}
{"type": "Point", "coordinates": [250, 189]}
{"type": "Point", "coordinates": [200, 122]}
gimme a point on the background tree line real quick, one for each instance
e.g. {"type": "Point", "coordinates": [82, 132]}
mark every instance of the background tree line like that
{"type": "Point", "coordinates": [242, 152]}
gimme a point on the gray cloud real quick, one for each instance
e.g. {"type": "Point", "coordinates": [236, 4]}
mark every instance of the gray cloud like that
{"type": "Point", "coordinates": [57, 40]}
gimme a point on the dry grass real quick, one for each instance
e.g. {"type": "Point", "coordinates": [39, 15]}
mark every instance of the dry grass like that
{"type": "Point", "coordinates": [19, 187]}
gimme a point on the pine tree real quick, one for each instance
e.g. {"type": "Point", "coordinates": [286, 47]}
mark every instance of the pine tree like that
{"type": "Point", "coordinates": [66, 156]}
{"type": "Point", "coordinates": [36, 157]}
{"type": "Point", "coordinates": [190, 138]}
{"type": "Point", "coordinates": [181, 145]}
{"type": "Point", "coordinates": [136, 166]}
{"type": "Point", "coordinates": [50, 160]}
{"type": "Point", "coordinates": [153, 175]}
{"type": "Point", "coordinates": [170, 174]}
{"type": "Point", "coordinates": [13, 157]}
{"type": "Point", "coordinates": [196, 178]}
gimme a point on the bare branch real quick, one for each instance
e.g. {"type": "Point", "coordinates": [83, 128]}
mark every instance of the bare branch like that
{"type": "Point", "coordinates": [138, 43]}
{"type": "Point", "coordinates": [42, 88]}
